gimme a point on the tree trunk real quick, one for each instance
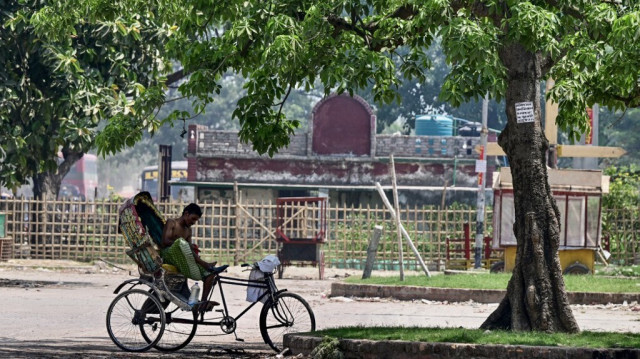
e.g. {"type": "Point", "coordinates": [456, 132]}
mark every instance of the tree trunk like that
{"type": "Point", "coordinates": [47, 184]}
{"type": "Point", "coordinates": [536, 298]}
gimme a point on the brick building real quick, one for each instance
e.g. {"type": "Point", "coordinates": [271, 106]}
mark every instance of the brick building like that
{"type": "Point", "coordinates": [340, 156]}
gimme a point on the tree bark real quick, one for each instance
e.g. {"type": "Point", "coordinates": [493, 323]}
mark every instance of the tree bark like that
{"type": "Point", "coordinates": [47, 184]}
{"type": "Point", "coordinates": [536, 298]}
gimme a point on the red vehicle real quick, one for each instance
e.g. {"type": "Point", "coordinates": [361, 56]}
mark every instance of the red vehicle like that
{"type": "Point", "coordinates": [82, 180]}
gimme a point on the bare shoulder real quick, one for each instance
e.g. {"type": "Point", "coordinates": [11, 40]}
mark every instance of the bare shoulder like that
{"type": "Point", "coordinates": [171, 225]}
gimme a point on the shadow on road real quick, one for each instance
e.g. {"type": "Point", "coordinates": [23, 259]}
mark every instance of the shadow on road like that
{"type": "Point", "coordinates": [99, 347]}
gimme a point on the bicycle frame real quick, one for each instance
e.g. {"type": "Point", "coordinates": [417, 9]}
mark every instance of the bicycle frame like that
{"type": "Point", "coordinates": [267, 283]}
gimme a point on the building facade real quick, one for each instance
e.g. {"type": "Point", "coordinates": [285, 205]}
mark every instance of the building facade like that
{"type": "Point", "coordinates": [341, 157]}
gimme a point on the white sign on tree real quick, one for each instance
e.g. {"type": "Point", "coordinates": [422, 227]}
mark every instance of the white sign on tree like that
{"type": "Point", "coordinates": [524, 112]}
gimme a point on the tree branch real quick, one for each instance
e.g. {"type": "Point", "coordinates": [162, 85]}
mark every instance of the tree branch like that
{"type": "Point", "coordinates": [69, 158]}
{"type": "Point", "coordinates": [281, 104]}
{"type": "Point", "coordinates": [175, 77]}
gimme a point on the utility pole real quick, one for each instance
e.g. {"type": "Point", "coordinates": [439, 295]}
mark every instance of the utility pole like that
{"type": "Point", "coordinates": [481, 168]}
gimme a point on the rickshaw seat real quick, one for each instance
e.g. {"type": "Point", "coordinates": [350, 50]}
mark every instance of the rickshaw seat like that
{"type": "Point", "coordinates": [170, 269]}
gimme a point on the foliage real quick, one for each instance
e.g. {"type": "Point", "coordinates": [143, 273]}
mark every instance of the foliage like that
{"type": "Point", "coordinates": [625, 271]}
{"type": "Point", "coordinates": [328, 349]}
{"type": "Point", "coordinates": [604, 65]}
{"type": "Point", "coordinates": [584, 339]}
{"type": "Point", "coordinates": [422, 97]}
{"type": "Point", "coordinates": [62, 73]}
{"type": "Point", "coordinates": [216, 115]}
{"type": "Point", "coordinates": [619, 205]}
{"type": "Point", "coordinates": [624, 187]}
{"type": "Point", "coordinates": [356, 230]}
{"type": "Point", "coordinates": [621, 129]}
{"type": "Point", "coordinates": [282, 46]}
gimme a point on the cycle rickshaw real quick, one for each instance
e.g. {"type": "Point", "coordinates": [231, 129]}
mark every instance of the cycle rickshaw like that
{"type": "Point", "coordinates": [153, 310]}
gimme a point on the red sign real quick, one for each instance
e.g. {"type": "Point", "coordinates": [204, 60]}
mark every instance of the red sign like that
{"type": "Point", "coordinates": [588, 140]}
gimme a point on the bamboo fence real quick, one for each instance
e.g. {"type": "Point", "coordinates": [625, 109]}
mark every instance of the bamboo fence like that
{"type": "Point", "coordinates": [235, 233]}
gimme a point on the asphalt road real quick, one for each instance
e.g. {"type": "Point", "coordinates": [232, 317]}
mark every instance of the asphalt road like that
{"type": "Point", "coordinates": [60, 313]}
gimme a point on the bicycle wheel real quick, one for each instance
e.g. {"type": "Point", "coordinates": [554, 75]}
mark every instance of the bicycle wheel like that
{"type": "Point", "coordinates": [289, 313]}
{"type": "Point", "coordinates": [132, 313]}
{"type": "Point", "coordinates": [180, 328]}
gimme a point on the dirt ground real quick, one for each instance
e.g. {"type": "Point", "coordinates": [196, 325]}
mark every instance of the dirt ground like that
{"type": "Point", "coordinates": [56, 309]}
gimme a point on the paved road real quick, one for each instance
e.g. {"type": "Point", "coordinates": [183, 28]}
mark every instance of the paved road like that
{"type": "Point", "coordinates": [61, 313]}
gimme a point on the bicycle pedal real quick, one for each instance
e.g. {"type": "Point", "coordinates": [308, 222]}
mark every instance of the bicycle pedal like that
{"type": "Point", "coordinates": [219, 310]}
{"type": "Point", "coordinates": [239, 340]}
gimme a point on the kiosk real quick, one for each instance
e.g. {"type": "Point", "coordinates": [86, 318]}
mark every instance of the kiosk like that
{"type": "Point", "coordinates": [578, 195]}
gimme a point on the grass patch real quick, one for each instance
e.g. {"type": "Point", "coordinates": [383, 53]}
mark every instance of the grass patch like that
{"type": "Point", "coordinates": [476, 336]}
{"type": "Point", "coordinates": [573, 283]}
{"type": "Point", "coordinates": [613, 270]}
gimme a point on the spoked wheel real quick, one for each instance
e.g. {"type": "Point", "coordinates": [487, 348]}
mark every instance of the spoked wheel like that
{"type": "Point", "coordinates": [180, 328]}
{"type": "Point", "coordinates": [289, 313]}
{"type": "Point", "coordinates": [132, 313]}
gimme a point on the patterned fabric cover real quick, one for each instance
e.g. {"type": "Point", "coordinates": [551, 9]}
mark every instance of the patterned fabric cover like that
{"type": "Point", "coordinates": [141, 225]}
{"type": "Point", "coordinates": [181, 256]}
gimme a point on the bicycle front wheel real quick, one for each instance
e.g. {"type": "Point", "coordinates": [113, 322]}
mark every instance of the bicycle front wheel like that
{"type": "Point", "coordinates": [135, 320]}
{"type": "Point", "coordinates": [179, 330]}
{"type": "Point", "coordinates": [288, 313]}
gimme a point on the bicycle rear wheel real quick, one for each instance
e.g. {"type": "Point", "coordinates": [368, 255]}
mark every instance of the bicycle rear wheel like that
{"type": "Point", "coordinates": [132, 313]}
{"type": "Point", "coordinates": [288, 313]}
{"type": "Point", "coordinates": [179, 330]}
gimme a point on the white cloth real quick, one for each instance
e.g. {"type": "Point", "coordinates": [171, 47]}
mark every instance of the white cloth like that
{"type": "Point", "coordinates": [253, 293]}
{"type": "Point", "coordinates": [269, 263]}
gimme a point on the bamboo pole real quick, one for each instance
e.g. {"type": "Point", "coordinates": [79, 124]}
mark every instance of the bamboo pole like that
{"type": "Point", "coordinates": [236, 199]}
{"type": "Point", "coordinates": [404, 231]}
{"type": "Point", "coordinates": [396, 205]}
{"type": "Point", "coordinates": [439, 224]}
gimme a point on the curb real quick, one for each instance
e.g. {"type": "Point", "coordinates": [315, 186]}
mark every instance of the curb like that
{"type": "Point", "coordinates": [463, 295]}
{"type": "Point", "coordinates": [394, 349]}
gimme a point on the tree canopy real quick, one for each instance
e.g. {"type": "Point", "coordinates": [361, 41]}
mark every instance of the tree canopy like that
{"type": "Point", "coordinates": [283, 45]}
{"type": "Point", "coordinates": [61, 76]}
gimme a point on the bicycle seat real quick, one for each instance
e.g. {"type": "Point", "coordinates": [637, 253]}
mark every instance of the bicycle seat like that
{"type": "Point", "coordinates": [216, 270]}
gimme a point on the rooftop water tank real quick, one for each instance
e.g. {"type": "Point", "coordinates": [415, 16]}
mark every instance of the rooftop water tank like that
{"type": "Point", "coordinates": [434, 125]}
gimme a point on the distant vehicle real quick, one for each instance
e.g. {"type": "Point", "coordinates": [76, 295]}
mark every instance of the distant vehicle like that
{"type": "Point", "coordinates": [68, 191]}
{"type": "Point", "coordinates": [149, 181]}
{"type": "Point", "coordinates": [82, 180]}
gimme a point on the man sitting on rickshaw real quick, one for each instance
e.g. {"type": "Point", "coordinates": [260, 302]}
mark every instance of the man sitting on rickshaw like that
{"type": "Point", "coordinates": [177, 250]}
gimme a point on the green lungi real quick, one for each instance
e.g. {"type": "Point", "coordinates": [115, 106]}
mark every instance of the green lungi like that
{"type": "Point", "coordinates": [181, 256]}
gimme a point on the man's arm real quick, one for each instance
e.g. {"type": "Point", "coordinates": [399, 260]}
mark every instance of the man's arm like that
{"type": "Point", "coordinates": [195, 254]}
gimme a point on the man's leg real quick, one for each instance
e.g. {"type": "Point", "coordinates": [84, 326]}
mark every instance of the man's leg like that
{"type": "Point", "coordinates": [208, 286]}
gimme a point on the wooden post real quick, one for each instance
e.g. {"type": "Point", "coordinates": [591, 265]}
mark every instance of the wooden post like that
{"type": "Point", "coordinates": [404, 231]}
{"type": "Point", "coordinates": [392, 169]}
{"type": "Point", "coordinates": [371, 251]}
{"type": "Point", "coordinates": [236, 199]}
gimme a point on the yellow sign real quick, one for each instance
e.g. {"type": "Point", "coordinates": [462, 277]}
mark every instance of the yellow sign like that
{"type": "Point", "coordinates": [492, 149]}
{"type": "Point", "coordinates": [175, 174]}
{"type": "Point", "coordinates": [565, 151]}
{"type": "Point", "coordinates": [589, 151]}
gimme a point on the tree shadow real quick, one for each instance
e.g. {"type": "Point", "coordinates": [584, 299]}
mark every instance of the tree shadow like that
{"type": "Point", "coordinates": [101, 347]}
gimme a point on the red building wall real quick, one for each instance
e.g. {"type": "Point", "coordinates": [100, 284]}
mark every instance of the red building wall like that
{"type": "Point", "coordinates": [342, 125]}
